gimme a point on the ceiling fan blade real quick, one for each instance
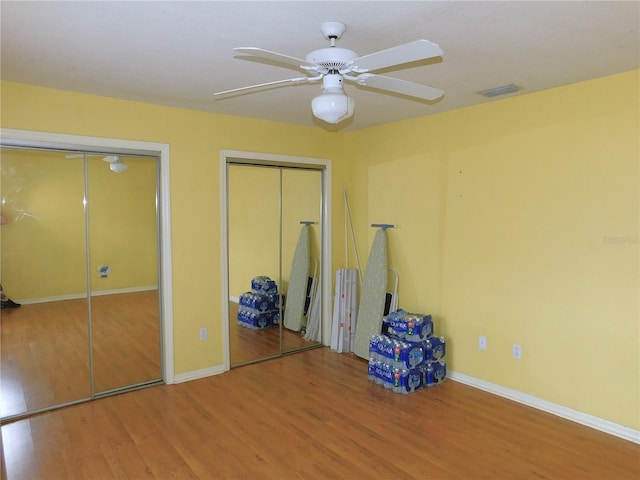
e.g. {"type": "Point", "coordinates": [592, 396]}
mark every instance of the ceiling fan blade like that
{"type": "Point", "coordinates": [276, 57]}
{"type": "Point", "coordinates": [263, 86]}
{"type": "Point", "coordinates": [409, 52]}
{"type": "Point", "coordinates": [396, 85]}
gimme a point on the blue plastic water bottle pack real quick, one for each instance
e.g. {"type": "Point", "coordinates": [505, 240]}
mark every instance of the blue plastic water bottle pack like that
{"type": "Point", "coordinates": [260, 307]}
{"type": "Point", "coordinates": [407, 356]}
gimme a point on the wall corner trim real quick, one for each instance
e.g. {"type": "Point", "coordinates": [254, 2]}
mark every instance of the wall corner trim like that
{"type": "Point", "coordinates": [597, 423]}
{"type": "Point", "coordinates": [196, 374]}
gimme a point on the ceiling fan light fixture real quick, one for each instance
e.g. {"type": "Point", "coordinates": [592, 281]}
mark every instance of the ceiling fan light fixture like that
{"type": "Point", "coordinates": [118, 166]}
{"type": "Point", "coordinates": [332, 107]}
{"type": "Point", "coordinates": [333, 65]}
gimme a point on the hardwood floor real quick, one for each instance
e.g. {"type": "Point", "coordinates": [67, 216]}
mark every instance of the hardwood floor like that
{"type": "Point", "coordinates": [313, 415]}
{"type": "Point", "coordinates": [45, 349]}
{"type": "Point", "coordinates": [246, 345]}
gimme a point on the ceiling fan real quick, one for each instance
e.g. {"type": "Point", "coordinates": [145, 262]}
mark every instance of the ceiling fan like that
{"type": "Point", "coordinates": [334, 65]}
{"type": "Point", "coordinates": [115, 162]}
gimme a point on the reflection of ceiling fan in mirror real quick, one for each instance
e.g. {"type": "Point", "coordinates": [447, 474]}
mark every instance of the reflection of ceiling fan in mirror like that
{"type": "Point", "coordinates": [115, 162]}
{"type": "Point", "coordinates": [333, 65]}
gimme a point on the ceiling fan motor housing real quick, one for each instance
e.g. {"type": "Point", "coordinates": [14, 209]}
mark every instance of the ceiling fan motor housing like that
{"type": "Point", "coordinates": [333, 65]}
{"type": "Point", "coordinates": [332, 83]}
{"type": "Point", "coordinates": [333, 59]}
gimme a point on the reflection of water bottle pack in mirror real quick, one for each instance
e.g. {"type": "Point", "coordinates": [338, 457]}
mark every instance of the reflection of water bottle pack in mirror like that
{"type": "Point", "coordinates": [407, 356]}
{"type": "Point", "coordinates": [260, 308]}
{"type": "Point", "coordinates": [263, 284]}
{"type": "Point", "coordinates": [257, 320]}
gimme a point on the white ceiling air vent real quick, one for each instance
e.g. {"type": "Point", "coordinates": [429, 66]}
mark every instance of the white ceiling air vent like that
{"type": "Point", "coordinates": [494, 92]}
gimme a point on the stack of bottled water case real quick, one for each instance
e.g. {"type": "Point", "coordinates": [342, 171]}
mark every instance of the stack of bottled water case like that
{"type": "Point", "coordinates": [260, 308]}
{"type": "Point", "coordinates": [407, 356]}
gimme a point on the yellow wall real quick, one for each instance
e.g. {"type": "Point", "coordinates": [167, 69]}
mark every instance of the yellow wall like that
{"type": "Point", "coordinates": [256, 238]}
{"type": "Point", "coordinates": [195, 140]}
{"type": "Point", "coordinates": [301, 195]}
{"type": "Point", "coordinates": [518, 220]}
{"type": "Point", "coordinates": [43, 245]}
{"type": "Point", "coordinates": [254, 244]}
{"type": "Point", "coordinates": [123, 232]}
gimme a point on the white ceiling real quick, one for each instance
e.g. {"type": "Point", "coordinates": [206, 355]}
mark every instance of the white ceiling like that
{"type": "Point", "coordinates": [180, 53]}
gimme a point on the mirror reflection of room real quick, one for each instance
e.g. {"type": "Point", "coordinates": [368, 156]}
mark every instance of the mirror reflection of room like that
{"type": "Point", "coordinates": [6, 302]}
{"type": "Point", "coordinates": [79, 252]}
{"type": "Point", "coordinates": [301, 214]}
{"type": "Point", "coordinates": [294, 315]}
{"type": "Point", "coordinates": [266, 205]}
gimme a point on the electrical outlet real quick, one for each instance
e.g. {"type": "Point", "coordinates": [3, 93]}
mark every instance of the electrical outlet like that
{"type": "Point", "coordinates": [482, 342]}
{"type": "Point", "coordinates": [203, 334]}
{"type": "Point", "coordinates": [517, 351]}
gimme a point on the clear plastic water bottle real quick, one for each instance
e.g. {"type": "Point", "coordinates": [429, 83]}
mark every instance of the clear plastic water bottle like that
{"type": "Point", "coordinates": [415, 355]}
{"type": "Point", "coordinates": [396, 324]}
{"type": "Point", "coordinates": [373, 346]}
{"type": "Point", "coordinates": [254, 320]}
{"type": "Point", "coordinates": [399, 380]}
{"type": "Point", "coordinates": [379, 372]}
{"type": "Point", "coordinates": [391, 351]}
{"type": "Point", "coordinates": [372, 369]}
{"type": "Point", "coordinates": [414, 380]}
{"type": "Point", "coordinates": [417, 328]}
{"type": "Point", "coordinates": [433, 373]}
{"type": "Point", "coordinates": [427, 327]}
{"type": "Point", "coordinates": [398, 348]}
{"type": "Point", "coordinates": [387, 371]}
{"type": "Point", "coordinates": [435, 349]}
{"type": "Point", "coordinates": [385, 350]}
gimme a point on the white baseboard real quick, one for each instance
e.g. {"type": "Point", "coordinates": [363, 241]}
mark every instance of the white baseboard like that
{"type": "Point", "coordinates": [606, 426]}
{"type": "Point", "coordinates": [196, 374]}
{"type": "Point", "coordinates": [234, 299]}
{"type": "Point", "coordinates": [94, 293]}
{"type": "Point", "coordinates": [147, 288]}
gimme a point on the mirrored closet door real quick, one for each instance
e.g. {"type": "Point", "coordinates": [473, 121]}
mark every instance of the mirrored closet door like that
{"type": "Point", "coordinates": [274, 259]}
{"type": "Point", "coordinates": [123, 271]}
{"type": "Point", "coordinates": [254, 251]}
{"type": "Point", "coordinates": [45, 343]}
{"type": "Point", "coordinates": [79, 252]}
{"type": "Point", "coordinates": [301, 210]}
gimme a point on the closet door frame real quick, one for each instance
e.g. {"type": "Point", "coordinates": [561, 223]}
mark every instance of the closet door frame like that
{"type": "Point", "coordinates": [33, 139]}
{"type": "Point", "coordinates": [255, 158]}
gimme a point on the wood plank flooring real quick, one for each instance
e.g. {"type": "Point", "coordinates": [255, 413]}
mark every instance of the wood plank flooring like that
{"type": "Point", "coordinates": [313, 415]}
{"type": "Point", "coordinates": [247, 345]}
{"type": "Point", "coordinates": [45, 349]}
